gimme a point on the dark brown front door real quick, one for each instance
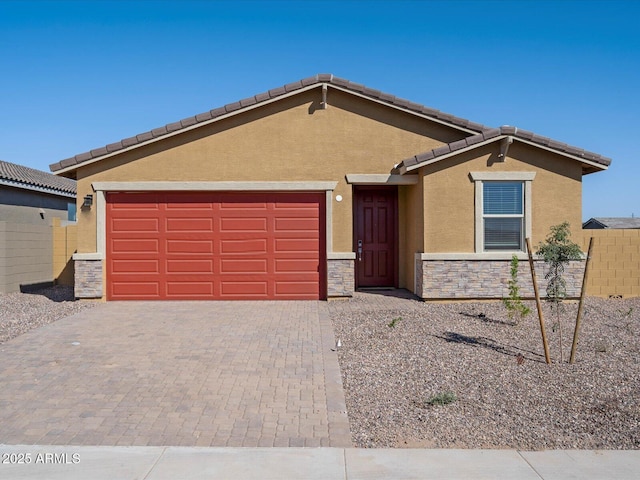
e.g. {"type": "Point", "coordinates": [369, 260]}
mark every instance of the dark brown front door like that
{"type": "Point", "coordinates": [375, 236]}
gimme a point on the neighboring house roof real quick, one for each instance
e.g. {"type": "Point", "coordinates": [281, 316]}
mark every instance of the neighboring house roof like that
{"type": "Point", "coordinates": [19, 176]}
{"type": "Point", "coordinates": [591, 161]}
{"type": "Point", "coordinates": [612, 222]}
{"type": "Point", "coordinates": [266, 97]}
{"type": "Point", "coordinates": [478, 134]}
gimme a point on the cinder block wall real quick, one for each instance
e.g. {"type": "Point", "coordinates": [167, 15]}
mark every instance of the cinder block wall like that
{"type": "Point", "coordinates": [65, 242]}
{"type": "Point", "coordinates": [615, 262]}
{"type": "Point", "coordinates": [26, 255]}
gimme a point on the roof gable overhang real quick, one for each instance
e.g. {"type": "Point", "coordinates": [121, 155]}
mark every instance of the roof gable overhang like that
{"type": "Point", "coordinates": [321, 81]}
{"type": "Point", "coordinates": [591, 162]}
{"type": "Point", "coordinates": [36, 188]}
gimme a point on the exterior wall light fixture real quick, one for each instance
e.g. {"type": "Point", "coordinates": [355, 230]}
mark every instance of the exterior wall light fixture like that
{"type": "Point", "coordinates": [88, 201]}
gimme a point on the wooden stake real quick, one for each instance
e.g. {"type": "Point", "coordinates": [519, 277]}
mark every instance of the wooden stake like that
{"type": "Point", "coordinates": [545, 344]}
{"type": "Point", "coordinates": [583, 292]}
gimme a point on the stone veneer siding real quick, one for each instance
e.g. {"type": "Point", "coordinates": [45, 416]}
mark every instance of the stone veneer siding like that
{"type": "Point", "coordinates": [459, 279]}
{"type": "Point", "coordinates": [88, 278]}
{"type": "Point", "coordinates": [340, 278]}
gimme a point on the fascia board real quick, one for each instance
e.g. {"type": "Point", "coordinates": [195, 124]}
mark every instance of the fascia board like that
{"type": "Point", "coordinates": [499, 138]}
{"type": "Point", "coordinates": [564, 154]}
{"type": "Point", "coordinates": [451, 154]}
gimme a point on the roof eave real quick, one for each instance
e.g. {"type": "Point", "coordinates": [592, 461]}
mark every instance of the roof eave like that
{"type": "Point", "coordinates": [587, 165]}
{"type": "Point", "coordinates": [320, 84]}
{"type": "Point", "coordinates": [36, 188]}
{"type": "Point", "coordinates": [195, 126]}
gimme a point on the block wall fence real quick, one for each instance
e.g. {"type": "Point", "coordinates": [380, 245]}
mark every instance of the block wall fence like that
{"type": "Point", "coordinates": [25, 255]}
{"type": "Point", "coordinates": [615, 262]}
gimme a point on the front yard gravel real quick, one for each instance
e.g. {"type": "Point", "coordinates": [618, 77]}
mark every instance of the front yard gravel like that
{"type": "Point", "coordinates": [507, 396]}
{"type": "Point", "coordinates": [21, 312]}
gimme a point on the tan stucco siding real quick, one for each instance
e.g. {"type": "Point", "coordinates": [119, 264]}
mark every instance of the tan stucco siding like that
{"type": "Point", "coordinates": [449, 205]}
{"type": "Point", "coordinates": [290, 140]}
{"type": "Point", "coordinates": [411, 220]}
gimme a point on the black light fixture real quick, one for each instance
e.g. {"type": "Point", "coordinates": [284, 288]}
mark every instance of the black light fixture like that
{"type": "Point", "coordinates": [88, 201]}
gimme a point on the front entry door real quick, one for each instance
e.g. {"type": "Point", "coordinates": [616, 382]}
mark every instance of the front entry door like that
{"type": "Point", "coordinates": [375, 235]}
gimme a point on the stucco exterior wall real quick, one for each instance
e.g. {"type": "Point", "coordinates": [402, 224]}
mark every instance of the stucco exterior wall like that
{"type": "Point", "coordinates": [449, 194]}
{"type": "Point", "coordinates": [410, 235]}
{"type": "Point", "coordinates": [290, 140]}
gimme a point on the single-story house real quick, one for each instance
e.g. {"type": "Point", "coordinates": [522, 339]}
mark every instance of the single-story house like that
{"type": "Point", "coordinates": [312, 190]}
{"type": "Point", "coordinates": [598, 223]}
{"type": "Point", "coordinates": [29, 201]}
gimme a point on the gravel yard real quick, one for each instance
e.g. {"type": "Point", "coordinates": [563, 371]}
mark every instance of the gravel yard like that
{"type": "Point", "coordinates": [20, 312]}
{"type": "Point", "coordinates": [506, 395]}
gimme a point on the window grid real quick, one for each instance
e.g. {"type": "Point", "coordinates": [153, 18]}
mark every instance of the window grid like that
{"type": "Point", "coordinates": [505, 235]}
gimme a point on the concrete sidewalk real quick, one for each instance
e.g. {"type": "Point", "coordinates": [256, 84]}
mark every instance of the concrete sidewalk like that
{"type": "Point", "coordinates": [160, 463]}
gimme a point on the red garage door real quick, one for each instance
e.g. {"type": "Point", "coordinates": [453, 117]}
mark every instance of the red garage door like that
{"type": "Point", "coordinates": [203, 245]}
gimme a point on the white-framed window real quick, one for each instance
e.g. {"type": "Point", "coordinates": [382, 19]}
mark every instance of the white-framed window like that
{"type": "Point", "coordinates": [503, 210]}
{"type": "Point", "coordinates": [503, 216]}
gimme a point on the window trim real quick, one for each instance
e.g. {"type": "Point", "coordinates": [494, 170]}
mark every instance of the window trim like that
{"type": "Point", "coordinates": [479, 178]}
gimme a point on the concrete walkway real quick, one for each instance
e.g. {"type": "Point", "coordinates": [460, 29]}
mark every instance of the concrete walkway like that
{"type": "Point", "coordinates": [168, 463]}
{"type": "Point", "coordinates": [233, 374]}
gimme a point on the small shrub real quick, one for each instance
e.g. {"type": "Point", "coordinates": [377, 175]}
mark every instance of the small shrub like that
{"type": "Point", "coordinates": [392, 323]}
{"type": "Point", "coordinates": [443, 398]}
{"type": "Point", "coordinates": [516, 310]}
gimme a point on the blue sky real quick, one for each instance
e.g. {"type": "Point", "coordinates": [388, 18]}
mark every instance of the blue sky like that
{"type": "Point", "coordinates": [78, 75]}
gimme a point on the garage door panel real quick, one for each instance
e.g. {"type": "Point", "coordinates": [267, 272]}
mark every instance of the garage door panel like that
{"type": "Point", "coordinates": [296, 245]}
{"type": "Point", "coordinates": [184, 225]}
{"type": "Point", "coordinates": [135, 266]}
{"type": "Point", "coordinates": [135, 290]}
{"type": "Point", "coordinates": [131, 201]}
{"type": "Point", "coordinates": [243, 289]}
{"type": "Point", "coordinates": [246, 205]}
{"type": "Point", "coordinates": [189, 290]}
{"type": "Point", "coordinates": [191, 266]}
{"type": "Point", "coordinates": [135, 245]}
{"type": "Point", "coordinates": [236, 265]}
{"type": "Point", "coordinates": [131, 225]}
{"type": "Point", "coordinates": [197, 247]}
{"type": "Point", "coordinates": [249, 224]}
{"type": "Point", "coordinates": [296, 289]}
{"type": "Point", "coordinates": [296, 265]}
{"type": "Point", "coordinates": [248, 246]}
{"type": "Point", "coordinates": [187, 203]}
{"type": "Point", "coordinates": [296, 224]}
{"type": "Point", "coordinates": [204, 245]}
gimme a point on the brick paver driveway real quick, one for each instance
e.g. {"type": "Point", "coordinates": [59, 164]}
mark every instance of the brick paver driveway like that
{"type": "Point", "coordinates": [176, 373]}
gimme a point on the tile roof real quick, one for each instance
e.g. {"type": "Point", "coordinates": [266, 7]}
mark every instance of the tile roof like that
{"type": "Point", "coordinates": [20, 176]}
{"type": "Point", "coordinates": [495, 133]}
{"type": "Point", "coordinates": [323, 78]}
{"type": "Point", "coordinates": [615, 222]}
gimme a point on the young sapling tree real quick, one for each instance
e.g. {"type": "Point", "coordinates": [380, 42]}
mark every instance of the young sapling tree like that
{"type": "Point", "coordinates": [557, 251]}
{"type": "Point", "coordinates": [516, 310]}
